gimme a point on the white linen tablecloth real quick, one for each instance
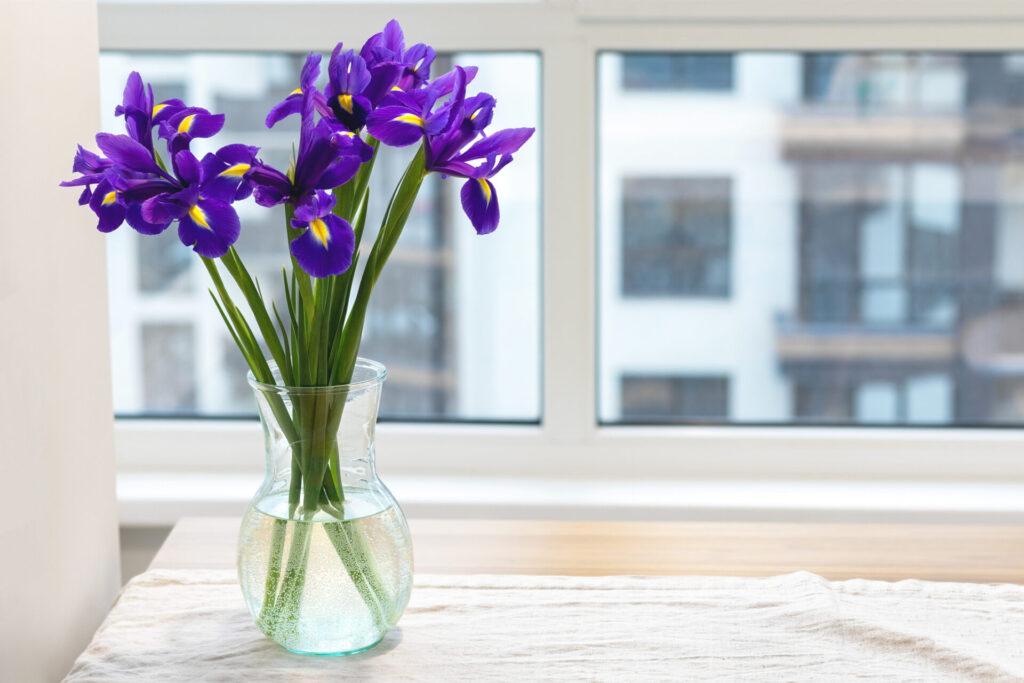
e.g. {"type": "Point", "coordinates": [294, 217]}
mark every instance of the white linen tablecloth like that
{"type": "Point", "coordinates": [191, 625]}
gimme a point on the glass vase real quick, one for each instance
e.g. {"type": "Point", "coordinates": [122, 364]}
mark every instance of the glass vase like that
{"type": "Point", "coordinates": [324, 553]}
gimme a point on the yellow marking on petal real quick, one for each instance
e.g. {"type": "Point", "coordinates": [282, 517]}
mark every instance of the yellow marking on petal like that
{"type": "Point", "coordinates": [395, 87]}
{"type": "Point", "coordinates": [236, 171]}
{"type": "Point", "coordinates": [410, 118]}
{"type": "Point", "coordinates": [347, 133]}
{"type": "Point", "coordinates": [297, 91]}
{"type": "Point", "coordinates": [473, 116]}
{"type": "Point", "coordinates": [109, 198]}
{"type": "Point", "coordinates": [319, 229]}
{"type": "Point", "coordinates": [486, 187]}
{"type": "Point", "coordinates": [197, 214]}
{"type": "Point", "coordinates": [186, 123]}
{"type": "Point", "coordinates": [158, 108]}
{"type": "Point", "coordinates": [345, 101]}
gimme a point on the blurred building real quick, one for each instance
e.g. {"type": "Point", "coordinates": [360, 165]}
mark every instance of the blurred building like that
{"type": "Point", "coordinates": [811, 237]}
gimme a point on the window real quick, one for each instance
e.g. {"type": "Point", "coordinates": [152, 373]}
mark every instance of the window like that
{"type": "Point", "coordinates": [677, 72]}
{"type": "Point", "coordinates": [448, 356]}
{"type": "Point", "coordinates": [881, 244]}
{"type": "Point", "coordinates": [668, 399]}
{"type": "Point", "coordinates": [885, 82]}
{"type": "Point", "coordinates": [876, 394]}
{"type": "Point", "coordinates": [675, 237]}
{"type": "Point", "coordinates": [779, 112]}
{"type": "Point", "coordinates": [829, 235]}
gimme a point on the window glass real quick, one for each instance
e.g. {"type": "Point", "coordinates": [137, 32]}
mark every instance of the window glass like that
{"type": "Point", "coordinates": [672, 221]}
{"type": "Point", "coordinates": [455, 317]}
{"type": "Point", "coordinates": [709, 72]}
{"type": "Point", "coordinates": [662, 398]}
{"type": "Point", "coordinates": [838, 238]}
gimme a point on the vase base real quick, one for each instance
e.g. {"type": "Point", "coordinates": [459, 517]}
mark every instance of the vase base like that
{"type": "Point", "coordinates": [343, 653]}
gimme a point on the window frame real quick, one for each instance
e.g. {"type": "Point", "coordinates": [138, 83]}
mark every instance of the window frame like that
{"type": "Point", "coordinates": [569, 36]}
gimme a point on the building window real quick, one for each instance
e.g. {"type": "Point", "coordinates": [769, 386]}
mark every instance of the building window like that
{"type": "Point", "coordinates": [819, 72]}
{"type": "Point", "coordinates": [867, 240]}
{"type": "Point", "coordinates": [676, 237]}
{"type": "Point", "coordinates": [887, 82]}
{"type": "Point", "coordinates": [875, 395]}
{"type": "Point", "coordinates": [701, 72]}
{"type": "Point", "coordinates": [881, 244]}
{"type": "Point", "coordinates": [674, 399]}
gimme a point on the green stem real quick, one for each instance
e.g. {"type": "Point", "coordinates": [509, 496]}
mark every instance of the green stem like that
{"type": "Point", "coordinates": [361, 567]}
{"type": "Point", "coordinates": [289, 603]}
{"type": "Point", "coordinates": [273, 569]}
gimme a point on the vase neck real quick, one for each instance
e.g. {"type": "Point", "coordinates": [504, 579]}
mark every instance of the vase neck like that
{"type": "Point", "coordinates": [319, 442]}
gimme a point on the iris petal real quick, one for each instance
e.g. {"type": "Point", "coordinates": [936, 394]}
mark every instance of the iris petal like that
{"type": "Point", "coordinates": [348, 72]}
{"type": "Point", "coordinates": [161, 209]}
{"type": "Point", "coordinates": [480, 202]}
{"type": "Point", "coordinates": [104, 203]}
{"type": "Point", "coordinates": [290, 105]}
{"type": "Point", "coordinates": [224, 173]}
{"type": "Point", "coordinates": [140, 224]}
{"type": "Point", "coordinates": [187, 167]}
{"type": "Point", "coordinates": [320, 259]}
{"type": "Point", "coordinates": [339, 173]}
{"type": "Point", "coordinates": [316, 205]}
{"type": "Point", "coordinates": [124, 151]}
{"type": "Point", "coordinates": [270, 186]}
{"type": "Point", "coordinates": [503, 142]}
{"type": "Point", "coordinates": [166, 109]}
{"type": "Point", "coordinates": [210, 228]}
{"type": "Point", "coordinates": [395, 126]}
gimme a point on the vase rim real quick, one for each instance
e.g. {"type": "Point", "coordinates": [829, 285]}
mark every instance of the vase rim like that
{"type": "Point", "coordinates": [374, 373]}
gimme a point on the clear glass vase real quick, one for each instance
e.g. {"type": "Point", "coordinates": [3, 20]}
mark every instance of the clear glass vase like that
{"type": "Point", "coordinates": [324, 553]}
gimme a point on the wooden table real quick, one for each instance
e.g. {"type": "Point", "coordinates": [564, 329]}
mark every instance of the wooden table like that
{"type": "Point", "coordinates": [971, 553]}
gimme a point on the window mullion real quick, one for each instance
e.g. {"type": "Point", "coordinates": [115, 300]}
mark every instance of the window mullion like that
{"type": "Point", "coordinates": [569, 239]}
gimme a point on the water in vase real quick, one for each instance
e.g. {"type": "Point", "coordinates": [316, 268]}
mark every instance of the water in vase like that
{"type": "Point", "coordinates": [339, 584]}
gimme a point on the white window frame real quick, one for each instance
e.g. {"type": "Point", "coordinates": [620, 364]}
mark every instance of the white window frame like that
{"type": "Point", "coordinates": [569, 35]}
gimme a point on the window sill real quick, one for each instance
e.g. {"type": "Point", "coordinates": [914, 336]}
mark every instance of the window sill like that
{"type": "Point", "coordinates": [159, 499]}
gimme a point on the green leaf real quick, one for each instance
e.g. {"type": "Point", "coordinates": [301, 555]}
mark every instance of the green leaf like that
{"type": "Point", "coordinates": [258, 306]}
{"type": "Point", "coordinates": [391, 228]}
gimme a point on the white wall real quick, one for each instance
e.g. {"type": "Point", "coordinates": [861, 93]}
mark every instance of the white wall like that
{"type": "Point", "coordinates": [58, 534]}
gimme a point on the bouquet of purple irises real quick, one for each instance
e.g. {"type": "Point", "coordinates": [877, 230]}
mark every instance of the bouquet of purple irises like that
{"type": "Point", "coordinates": [382, 95]}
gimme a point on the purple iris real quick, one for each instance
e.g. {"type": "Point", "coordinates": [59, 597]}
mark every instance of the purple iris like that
{"type": "Point", "coordinates": [348, 78]}
{"type": "Point", "coordinates": [93, 168]}
{"type": "Point", "coordinates": [358, 82]}
{"type": "Point", "coordinates": [187, 123]}
{"type": "Point", "coordinates": [198, 195]}
{"type": "Point", "coordinates": [131, 186]}
{"type": "Point", "coordinates": [390, 65]}
{"type": "Point", "coordinates": [140, 113]}
{"type": "Point", "coordinates": [325, 247]}
{"type": "Point", "coordinates": [447, 128]}
{"type": "Point", "coordinates": [327, 158]}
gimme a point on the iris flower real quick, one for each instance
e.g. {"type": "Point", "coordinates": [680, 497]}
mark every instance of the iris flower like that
{"type": "Point", "coordinates": [326, 157]}
{"type": "Point", "coordinates": [390, 65]}
{"type": "Point", "coordinates": [447, 129]}
{"type": "Point", "coordinates": [187, 123]}
{"type": "Point", "coordinates": [348, 78]}
{"type": "Point", "coordinates": [325, 247]}
{"type": "Point", "coordinates": [358, 82]}
{"type": "Point", "coordinates": [131, 186]}
{"type": "Point", "coordinates": [140, 113]}
{"type": "Point", "coordinates": [198, 195]}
